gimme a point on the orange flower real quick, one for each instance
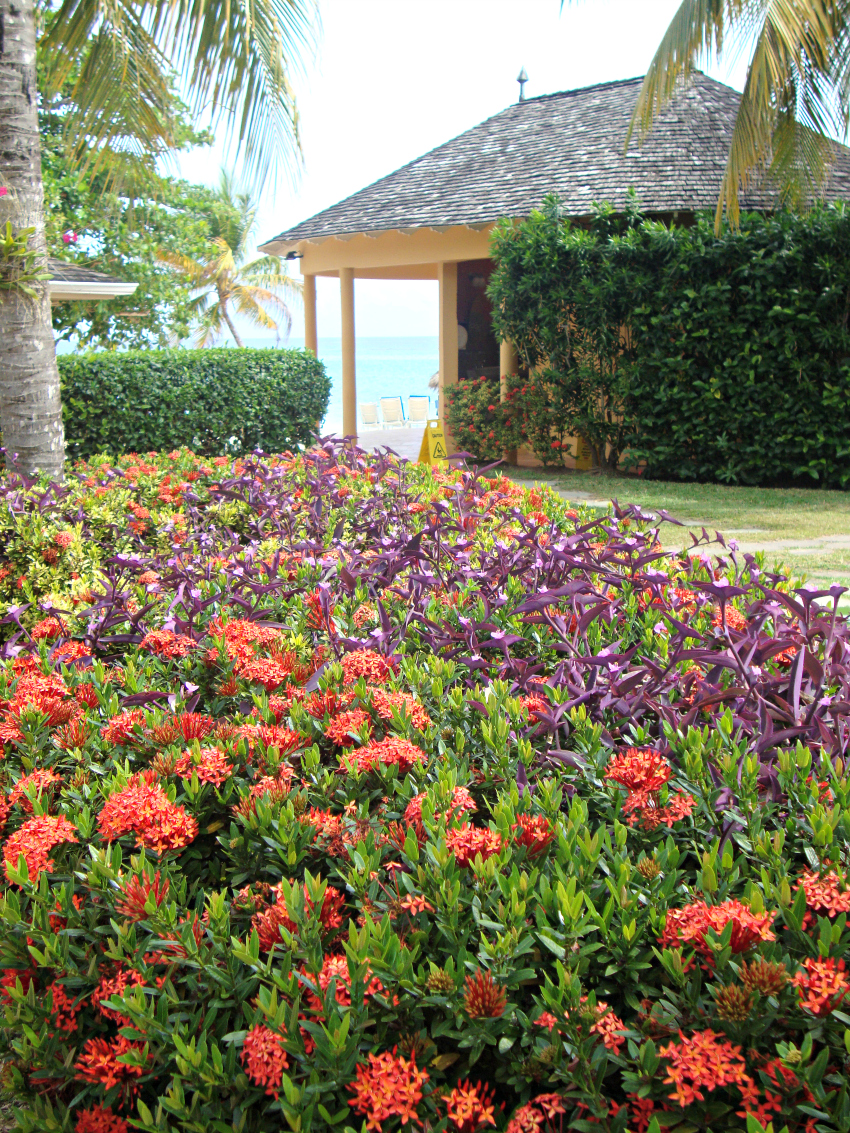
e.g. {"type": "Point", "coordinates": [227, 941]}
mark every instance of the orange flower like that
{"type": "Point", "coordinates": [389, 1086]}
{"type": "Point", "coordinates": [46, 629]}
{"type": "Point", "coordinates": [690, 925]}
{"type": "Point", "coordinates": [384, 753]}
{"type": "Point", "coordinates": [115, 985]}
{"type": "Point", "coordinates": [639, 769]}
{"type": "Point", "coordinates": [144, 809]}
{"type": "Point", "coordinates": [211, 766]}
{"type": "Point", "coordinates": [376, 668]}
{"type": "Point", "coordinates": [335, 968]}
{"type": "Point", "coordinates": [339, 729]}
{"type": "Point", "coordinates": [269, 922]}
{"type": "Point", "coordinates": [63, 1009]}
{"type": "Point", "coordinates": [135, 895]}
{"type": "Point", "coordinates": [121, 728]}
{"type": "Point", "coordinates": [35, 839]}
{"type": "Point", "coordinates": [734, 619]}
{"type": "Point", "coordinates": [100, 1119]}
{"type": "Point", "coordinates": [704, 1061]}
{"type": "Point", "coordinates": [537, 1113]}
{"type": "Point", "coordinates": [466, 842]}
{"type": "Point", "coordinates": [483, 997]}
{"type": "Point", "coordinates": [167, 643]}
{"type": "Point", "coordinates": [386, 702]}
{"type": "Point", "coordinates": [39, 782]}
{"type": "Point", "coordinates": [462, 803]}
{"type": "Point", "coordinates": [74, 734]}
{"type": "Point", "coordinates": [827, 894]}
{"type": "Point", "coordinates": [265, 1059]}
{"type": "Point", "coordinates": [535, 833]}
{"type": "Point", "coordinates": [607, 1027]}
{"type": "Point", "coordinates": [470, 1108]}
{"type": "Point", "coordinates": [99, 1065]}
{"type": "Point", "coordinates": [822, 985]}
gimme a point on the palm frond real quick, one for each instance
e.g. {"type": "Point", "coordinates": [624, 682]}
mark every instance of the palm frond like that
{"type": "Point", "coordinates": [237, 58]}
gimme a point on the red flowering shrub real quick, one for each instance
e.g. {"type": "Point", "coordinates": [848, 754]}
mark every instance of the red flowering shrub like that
{"type": "Point", "coordinates": [521, 848]}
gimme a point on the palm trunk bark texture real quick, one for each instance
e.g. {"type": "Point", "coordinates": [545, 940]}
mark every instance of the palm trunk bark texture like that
{"type": "Point", "coordinates": [30, 402]}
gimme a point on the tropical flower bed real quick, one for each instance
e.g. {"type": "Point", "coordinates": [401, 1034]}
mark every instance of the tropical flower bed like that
{"type": "Point", "coordinates": [343, 793]}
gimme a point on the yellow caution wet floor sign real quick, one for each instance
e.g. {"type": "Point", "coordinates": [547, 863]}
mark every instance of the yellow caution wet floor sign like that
{"type": "Point", "coordinates": [433, 450]}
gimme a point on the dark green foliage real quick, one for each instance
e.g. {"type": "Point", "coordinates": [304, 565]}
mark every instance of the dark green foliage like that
{"type": "Point", "coordinates": [737, 347]}
{"type": "Point", "coordinates": [212, 401]}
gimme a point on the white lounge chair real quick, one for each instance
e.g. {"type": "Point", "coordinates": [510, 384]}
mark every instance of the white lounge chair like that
{"type": "Point", "coordinates": [393, 413]}
{"type": "Point", "coordinates": [369, 415]}
{"type": "Point", "coordinates": [417, 409]}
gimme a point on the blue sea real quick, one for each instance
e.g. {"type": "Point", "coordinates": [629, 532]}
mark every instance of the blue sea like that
{"type": "Point", "coordinates": [386, 367]}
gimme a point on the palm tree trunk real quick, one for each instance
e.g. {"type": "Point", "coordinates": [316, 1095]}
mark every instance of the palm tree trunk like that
{"type": "Point", "coordinates": [226, 316]}
{"type": "Point", "coordinates": [30, 404]}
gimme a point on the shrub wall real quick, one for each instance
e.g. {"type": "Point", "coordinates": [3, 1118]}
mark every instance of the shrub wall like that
{"type": "Point", "coordinates": [212, 401]}
{"type": "Point", "coordinates": [736, 347]}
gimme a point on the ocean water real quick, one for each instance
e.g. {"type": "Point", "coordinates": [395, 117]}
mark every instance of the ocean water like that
{"type": "Point", "coordinates": [386, 367]}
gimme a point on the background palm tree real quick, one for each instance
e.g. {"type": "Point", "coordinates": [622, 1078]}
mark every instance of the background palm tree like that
{"type": "Point", "coordinates": [116, 56]}
{"type": "Point", "coordinates": [795, 95]}
{"type": "Point", "coordinates": [227, 282]}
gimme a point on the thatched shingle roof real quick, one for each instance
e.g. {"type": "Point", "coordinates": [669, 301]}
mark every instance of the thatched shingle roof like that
{"type": "Point", "coordinates": [570, 144]}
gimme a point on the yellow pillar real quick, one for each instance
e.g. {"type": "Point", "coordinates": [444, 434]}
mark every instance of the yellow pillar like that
{"type": "Point", "coordinates": [311, 336]}
{"type": "Point", "coordinates": [349, 375]}
{"type": "Point", "coordinates": [508, 363]}
{"type": "Point", "coordinates": [447, 276]}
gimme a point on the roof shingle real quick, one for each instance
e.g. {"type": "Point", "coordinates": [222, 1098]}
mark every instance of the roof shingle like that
{"type": "Point", "coordinates": [571, 144]}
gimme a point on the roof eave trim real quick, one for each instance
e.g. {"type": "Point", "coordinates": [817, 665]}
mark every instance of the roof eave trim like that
{"type": "Point", "coordinates": [280, 247]}
{"type": "Point", "coordinates": [65, 289]}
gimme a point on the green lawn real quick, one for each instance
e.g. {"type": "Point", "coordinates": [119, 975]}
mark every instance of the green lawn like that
{"type": "Point", "coordinates": [804, 530]}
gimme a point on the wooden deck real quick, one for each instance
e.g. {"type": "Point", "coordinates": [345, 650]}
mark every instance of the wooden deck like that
{"type": "Point", "coordinates": [405, 442]}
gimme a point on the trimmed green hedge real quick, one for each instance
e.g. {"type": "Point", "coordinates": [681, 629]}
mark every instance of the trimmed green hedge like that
{"type": "Point", "coordinates": [215, 402]}
{"type": "Point", "coordinates": [708, 358]}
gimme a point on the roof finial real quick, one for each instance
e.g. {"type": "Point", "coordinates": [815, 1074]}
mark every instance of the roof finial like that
{"type": "Point", "coordinates": [522, 79]}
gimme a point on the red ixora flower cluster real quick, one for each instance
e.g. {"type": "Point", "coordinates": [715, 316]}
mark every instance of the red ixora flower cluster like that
{"type": "Point", "coordinates": [703, 1061]}
{"type": "Point", "coordinates": [211, 766]}
{"type": "Point", "coordinates": [99, 1064]}
{"type": "Point", "coordinates": [537, 1114]}
{"type": "Point", "coordinates": [137, 891]}
{"type": "Point", "coordinates": [688, 926]}
{"type": "Point", "coordinates": [37, 783]}
{"type": "Point", "coordinates": [467, 842]}
{"type": "Point", "coordinates": [100, 1119]}
{"type": "Point", "coordinates": [389, 752]}
{"type": "Point", "coordinates": [462, 803]}
{"type": "Point", "coordinates": [821, 985]}
{"type": "Point", "coordinates": [35, 839]}
{"type": "Point", "coordinates": [389, 1086]}
{"type": "Point", "coordinates": [533, 831]}
{"type": "Point", "coordinates": [376, 668]}
{"type": "Point", "coordinates": [827, 895]}
{"type": "Point", "coordinates": [264, 1059]}
{"type": "Point", "coordinates": [483, 997]}
{"type": "Point", "coordinates": [166, 643]}
{"type": "Point", "coordinates": [143, 808]}
{"type": "Point", "coordinates": [269, 922]}
{"type": "Point", "coordinates": [643, 772]}
{"type": "Point", "coordinates": [470, 1108]}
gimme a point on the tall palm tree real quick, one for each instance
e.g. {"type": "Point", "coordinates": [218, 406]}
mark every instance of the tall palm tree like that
{"type": "Point", "coordinates": [237, 56]}
{"type": "Point", "coordinates": [795, 95]}
{"type": "Point", "coordinates": [227, 282]}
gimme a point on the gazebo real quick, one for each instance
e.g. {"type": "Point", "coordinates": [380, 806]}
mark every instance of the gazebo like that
{"type": "Point", "coordinates": [432, 219]}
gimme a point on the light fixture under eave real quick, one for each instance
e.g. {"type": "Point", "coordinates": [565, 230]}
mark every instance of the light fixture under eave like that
{"type": "Point", "coordinates": [522, 79]}
{"type": "Point", "coordinates": [294, 256]}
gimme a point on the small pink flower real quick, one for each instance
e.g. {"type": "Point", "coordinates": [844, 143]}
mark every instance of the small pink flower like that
{"type": "Point", "coordinates": [69, 237]}
{"type": "Point", "coordinates": [3, 191]}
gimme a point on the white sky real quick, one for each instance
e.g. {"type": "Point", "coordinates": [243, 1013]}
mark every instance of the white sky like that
{"type": "Point", "coordinates": [394, 78]}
